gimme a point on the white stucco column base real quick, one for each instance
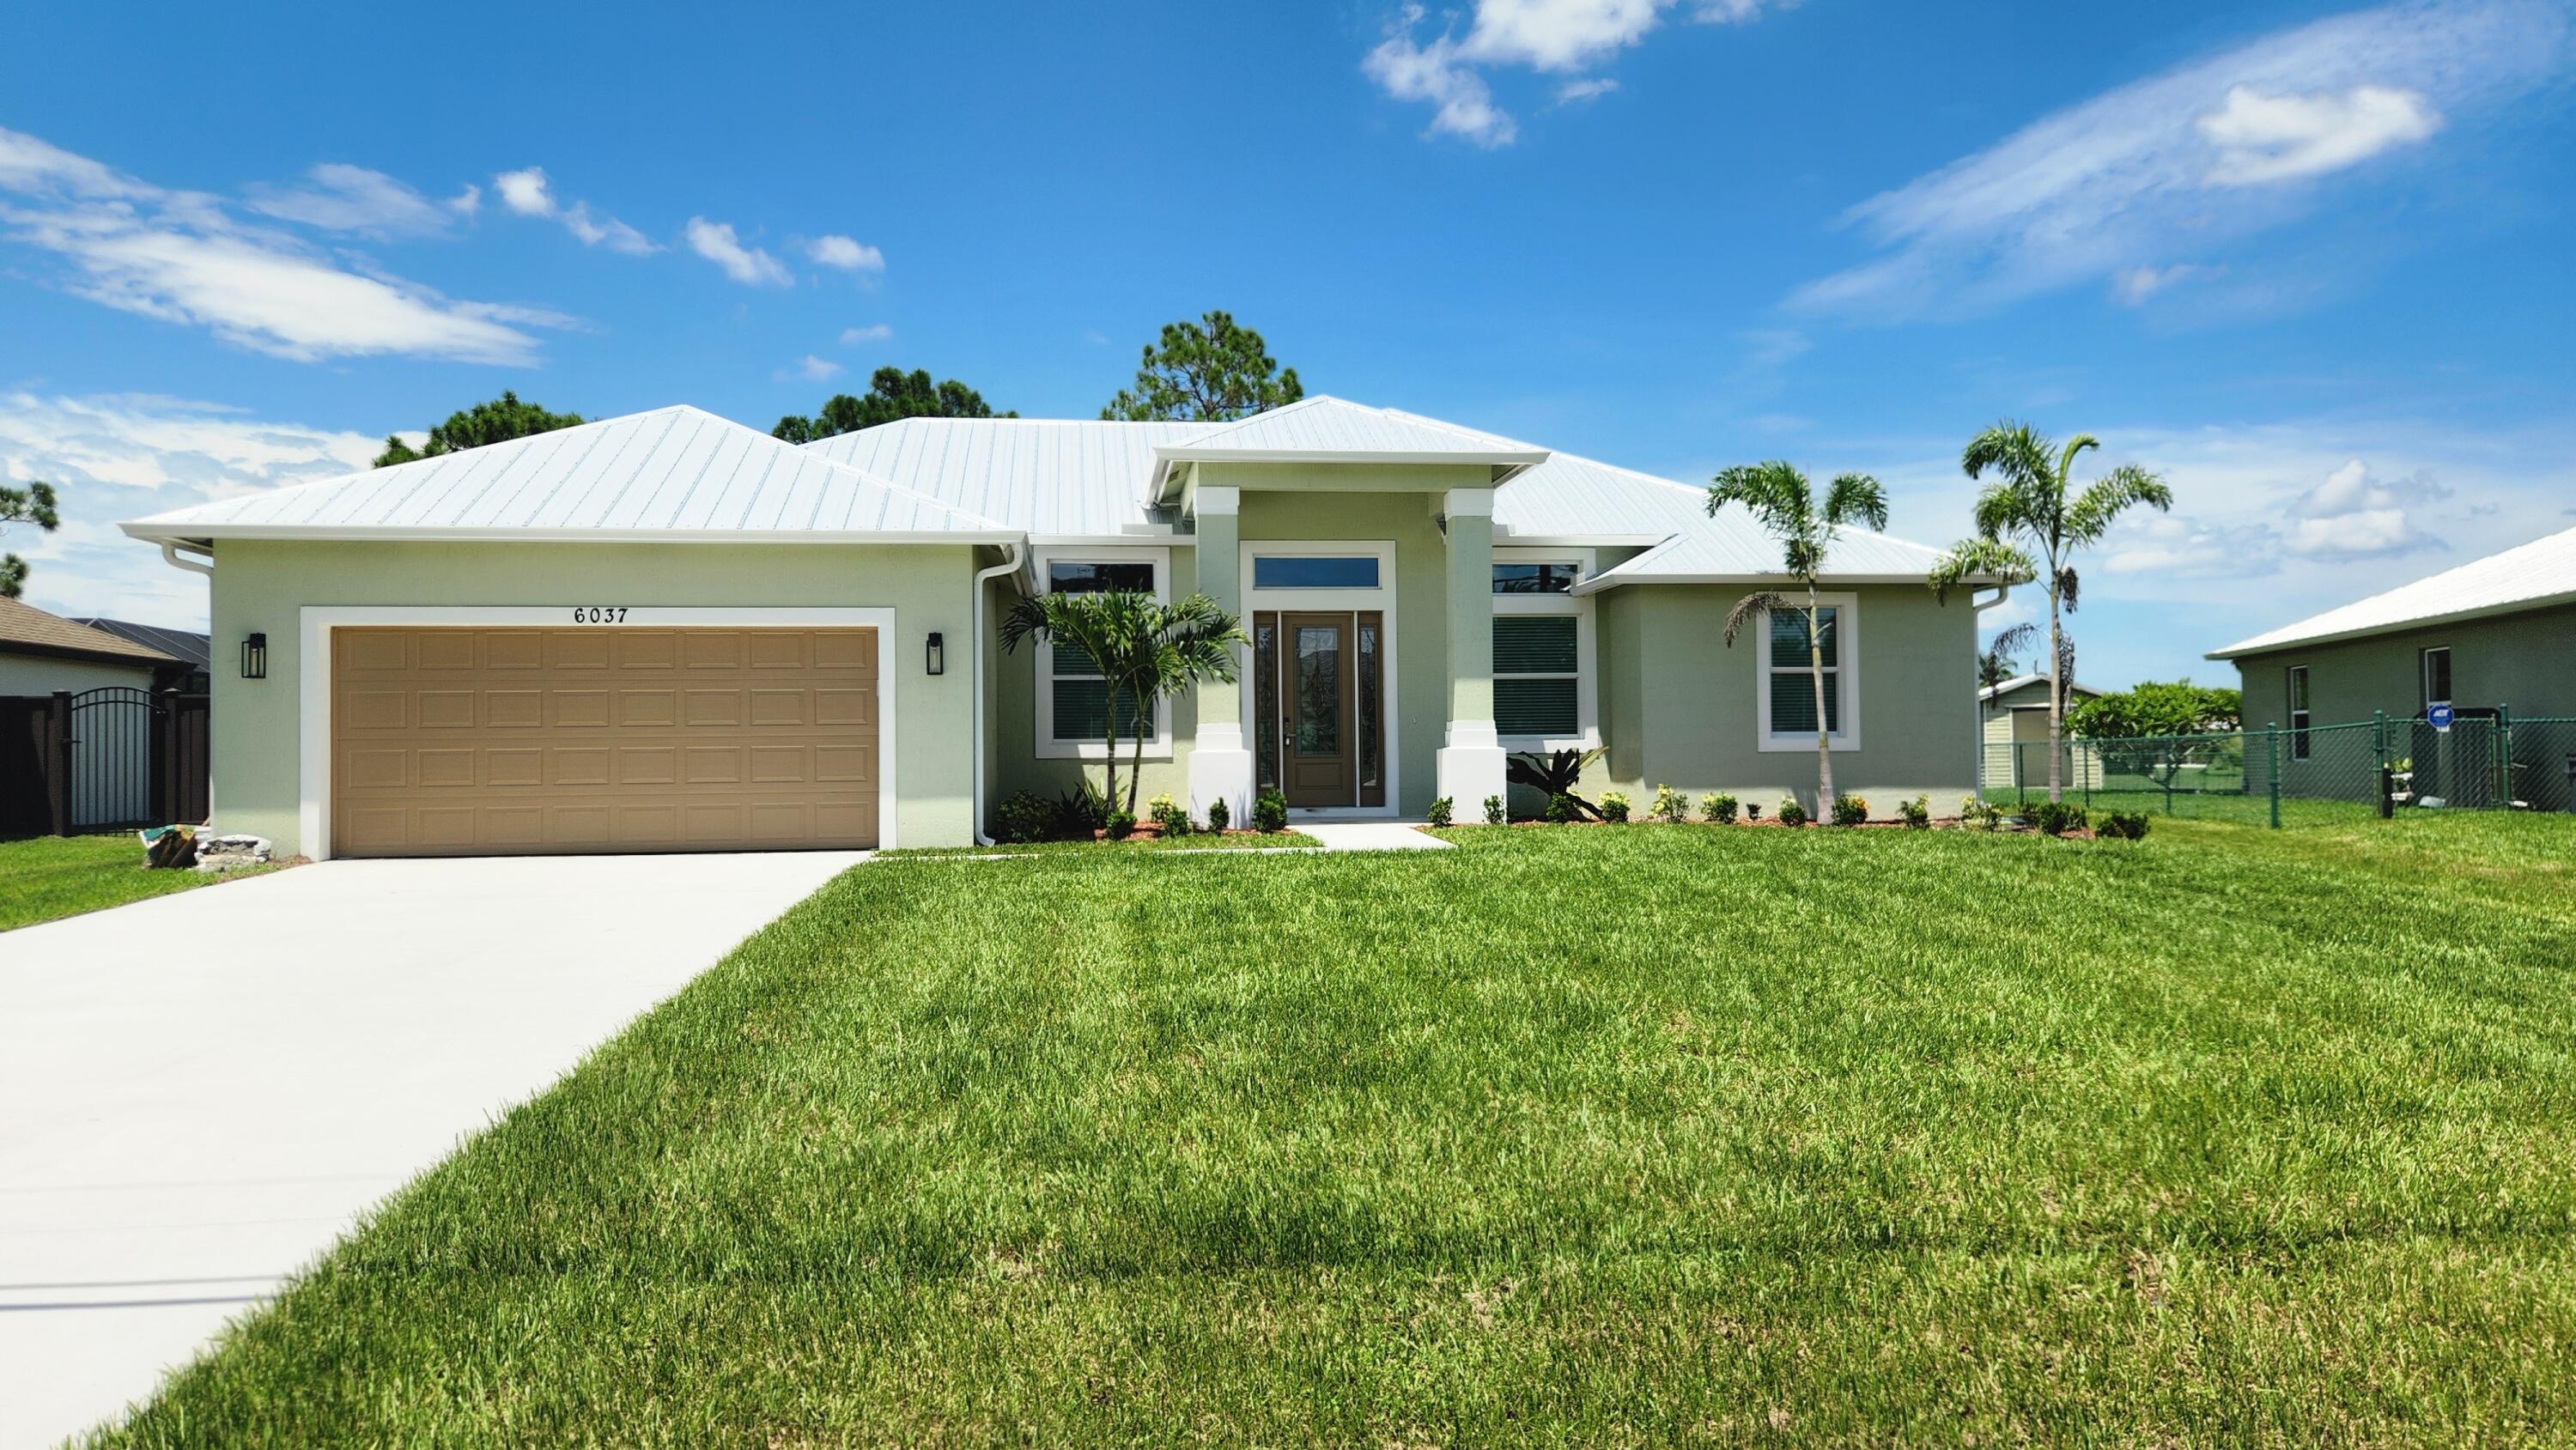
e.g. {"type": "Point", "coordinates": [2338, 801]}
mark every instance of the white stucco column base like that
{"type": "Point", "coordinates": [1470, 767]}
{"type": "Point", "coordinates": [1221, 770]}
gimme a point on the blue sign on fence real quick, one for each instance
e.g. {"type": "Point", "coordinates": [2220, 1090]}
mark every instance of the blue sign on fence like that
{"type": "Point", "coordinates": [2439, 715]}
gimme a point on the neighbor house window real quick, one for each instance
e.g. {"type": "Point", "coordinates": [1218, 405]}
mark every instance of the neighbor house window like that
{"type": "Point", "coordinates": [2437, 678]}
{"type": "Point", "coordinates": [1788, 708]}
{"type": "Point", "coordinates": [2298, 712]}
{"type": "Point", "coordinates": [1314, 571]}
{"type": "Point", "coordinates": [1535, 675]}
{"type": "Point", "coordinates": [1074, 700]}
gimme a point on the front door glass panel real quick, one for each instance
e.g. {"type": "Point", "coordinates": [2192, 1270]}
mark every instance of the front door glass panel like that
{"type": "Point", "coordinates": [1319, 691]}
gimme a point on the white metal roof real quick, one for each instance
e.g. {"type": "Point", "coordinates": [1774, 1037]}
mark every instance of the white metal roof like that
{"type": "Point", "coordinates": [2073, 687]}
{"type": "Point", "coordinates": [1731, 547]}
{"type": "Point", "coordinates": [1324, 428]}
{"type": "Point", "coordinates": [2539, 573]}
{"type": "Point", "coordinates": [671, 473]}
{"type": "Point", "coordinates": [1049, 477]}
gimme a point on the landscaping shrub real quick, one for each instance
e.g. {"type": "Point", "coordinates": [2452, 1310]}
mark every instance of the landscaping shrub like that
{"type": "Point", "coordinates": [1494, 813]}
{"type": "Point", "coordinates": [1439, 813]}
{"type": "Point", "coordinates": [1753, 810]}
{"type": "Point", "coordinates": [1025, 817]}
{"type": "Point", "coordinates": [1614, 806]}
{"type": "Point", "coordinates": [1791, 813]}
{"type": "Point", "coordinates": [1560, 809]}
{"type": "Point", "coordinates": [1270, 812]}
{"type": "Point", "coordinates": [1079, 812]}
{"type": "Point", "coordinates": [2056, 818]}
{"type": "Point", "coordinates": [1669, 805]}
{"type": "Point", "coordinates": [1916, 813]}
{"type": "Point", "coordinates": [1983, 814]}
{"type": "Point", "coordinates": [1120, 825]}
{"type": "Point", "coordinates": [1162, 812]}
{"type": "Point", "coordinates": [2122, 826]}
{"type": "Point", "coordinates": [1220, 815]}
{"type": "Point", "coordinates": [1850, 810]}
{"type": "Point", "coordinates": [1718, 806]}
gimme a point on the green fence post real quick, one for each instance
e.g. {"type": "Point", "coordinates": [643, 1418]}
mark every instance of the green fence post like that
{"type": "Point", "coordinates": [2504, 754]}
{"type": "Point", "coordinates": [2272, 733]}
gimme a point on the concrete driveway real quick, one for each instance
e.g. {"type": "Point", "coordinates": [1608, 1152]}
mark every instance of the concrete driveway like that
{"type": "Point", "coordinates": [199, 1093]}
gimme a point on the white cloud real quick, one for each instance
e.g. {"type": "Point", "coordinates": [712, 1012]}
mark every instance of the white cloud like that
{"type": "Point", "coordinates": [845, 253]}
{"type": "Point", "coordinates": [750, 266]}
{"type": "Point", "coordinates": [467, 202]}
{"type": "Point", "coordinates": [529, 193]}
{"type": "Point", "coordinates": [873, 332]}
{"type": "Point", "coordinates": [1559, 37]}
{"type": "Point", "coordinates": [2356, 515]}
{"type": "Point", "coordinates": [812, 369]}
{"type": "Point", "coordinates": [2188, 160]}
{"type": "Point", "coordinates": [2264, 138]}
{"type": "Point", "coordinates": [2134, 285]}
{"type": "Point", "coordinates": [182, 257]}
{"type": "Point", "coordinates": [122, 457]}
{"type": "Point", "coordinates": [340, 198]}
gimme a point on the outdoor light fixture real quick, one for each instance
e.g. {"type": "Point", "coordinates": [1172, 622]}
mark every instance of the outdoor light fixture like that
{"type": "Point", "coordinates": [255, 657]}
{"type": "Point", "coordinates": [937, 654]}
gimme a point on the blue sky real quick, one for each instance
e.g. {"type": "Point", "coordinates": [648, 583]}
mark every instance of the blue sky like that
{"type": "Point", "coordinates": [2309, 261]}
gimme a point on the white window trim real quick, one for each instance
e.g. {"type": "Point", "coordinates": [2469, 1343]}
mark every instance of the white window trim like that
{"type": "Point", "coordinates": [1846, 649]}
{"type": "Point", "coordinates": [1587, 692]}
{"type": "Point", "coordinates": [2292, 678]}
{"type": "Point", "coordinates": [2424, 675]}
{"type": "Point", "coordinates": [1381, 600]}
{"type": "Point", "coordinates": [313, 678]}
{"type": "Point", "coordinates": [1047, 747]}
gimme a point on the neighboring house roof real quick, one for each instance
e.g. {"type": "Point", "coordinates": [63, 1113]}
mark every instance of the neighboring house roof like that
{"type": "Point", "coordinates": [184, 645]}
{"type": "Point", "coordinates": [671, 473]}
{"type": "Point", "coordinates": [2018, 682]}
{"type": "Point", "coordinates": [27, 630]}
{"type": "Point", "coordinates": [2534, 575]}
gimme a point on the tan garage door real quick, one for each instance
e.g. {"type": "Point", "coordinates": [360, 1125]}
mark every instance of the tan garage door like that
{"type": "Point", "coordinates": [470, 742]}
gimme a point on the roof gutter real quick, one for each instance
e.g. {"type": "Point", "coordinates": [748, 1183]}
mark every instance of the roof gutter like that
{"type": "Point", "coordinates": [1012, 557]}
{"type": "Point", "coordinates": [196, 536]}
{"type": "Point", "coordinates": [170, 555]}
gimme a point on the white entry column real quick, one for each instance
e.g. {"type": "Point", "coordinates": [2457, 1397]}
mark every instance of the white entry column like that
{"type": "Point", "coordinates": [1220, 767]}
{"type": "Point", "coordinates": [1470, 761]}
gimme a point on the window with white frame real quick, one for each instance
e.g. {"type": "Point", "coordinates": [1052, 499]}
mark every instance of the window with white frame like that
{"type": "Point", "coordinates": [1542, 650]}
{"type": "Point", "coordinates": [1073, 702]}
{"type": "Point", "coordinates": [1785, 680]}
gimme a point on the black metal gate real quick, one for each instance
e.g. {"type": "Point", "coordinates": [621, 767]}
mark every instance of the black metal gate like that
{"type": "Point", "coordinates": [111, 757]}
{"type": "Point", "coordinates": [116, 756]}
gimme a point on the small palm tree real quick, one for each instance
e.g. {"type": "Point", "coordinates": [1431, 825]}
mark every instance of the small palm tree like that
{"type": "Point", "coordinates": [1783, 503]}
{"type": "Point", "coordinates": [2028, 528]}
{"type": "Point", "coordinates": [1144, 649]}
{"type": "Point", "coordinates": [2001, 656]}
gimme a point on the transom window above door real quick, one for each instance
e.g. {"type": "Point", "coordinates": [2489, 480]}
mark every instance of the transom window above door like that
{"type": "Point", "coordinates": [1536, 578]}
{"type": "Point", "coordinates": [1314, 571]}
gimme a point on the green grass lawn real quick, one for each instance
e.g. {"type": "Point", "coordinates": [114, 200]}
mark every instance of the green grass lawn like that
{"type": "Point", "coordinates": [1200, 841]}
{"type": "Point", "coordinates": [1642, 1136]}
{"type": "Point", "coordinates": [44, 877]}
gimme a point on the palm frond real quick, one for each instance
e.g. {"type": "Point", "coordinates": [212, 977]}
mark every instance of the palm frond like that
{"type": "Point", "coordinates": [1980, 558]}
{"type": "Point", "coordinates": [2015, 451]}
{"type": "Point", "coordinates": [2114, 493]}
{"type": "Point", "coordinates": [2009, 643]}
{"type": "Point", "coordinates": [1747, 607]}
{"type": "Point", "coordinates": [1776, 494]}
{"type": "Point", "coordinates": [1856, 498]}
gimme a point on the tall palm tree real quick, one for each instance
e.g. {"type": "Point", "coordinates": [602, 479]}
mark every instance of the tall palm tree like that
{"type": "Point", "coordinates": [1144, 649]}
{"type": "Point", "coordinates": [2028, 527]}
{"type": "Point", "coordinates": [1784, 503]}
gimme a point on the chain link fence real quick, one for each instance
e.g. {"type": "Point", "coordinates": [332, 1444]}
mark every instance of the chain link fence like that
{"type": "Point", "coordinates": [2319, 775]}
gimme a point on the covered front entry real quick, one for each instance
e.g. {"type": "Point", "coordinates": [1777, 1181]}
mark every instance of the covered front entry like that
{"type": "Point", "coordinates": [1320, 706]}
{"type": "Point", "coordinates": [504, 741]}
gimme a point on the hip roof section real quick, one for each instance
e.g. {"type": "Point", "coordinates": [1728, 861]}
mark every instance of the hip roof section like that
{"type": "Point", "coordinates": [2530, 576]}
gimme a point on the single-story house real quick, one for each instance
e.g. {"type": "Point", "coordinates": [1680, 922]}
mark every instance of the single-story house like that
{"type": "Point", "coordinates": [2493, 638]}
{"type": "Point", "coordinates": [668, 631]}
{"type": "Point", "coordinates": [42, 654]}
{"type": "Point", "coordinates": [2012, 734]}
{"type": "Point", "coordinates": [188, 646]}
{"type": "Point", "coordinates": [108, 679]}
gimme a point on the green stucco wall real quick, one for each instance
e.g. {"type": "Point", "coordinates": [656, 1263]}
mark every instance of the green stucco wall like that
{"type": "Point", "coordinates": [1679, 704]}
{"type": "Point", "coordinates": [1015, 736]}
{"type": "Point", "coordinates": [264, 585]}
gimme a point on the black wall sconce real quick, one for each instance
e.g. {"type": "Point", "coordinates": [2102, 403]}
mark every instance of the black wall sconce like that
{"type": "Point", "coordinates": [255, 657]}
{"type": "Point", "coordinates": [935, 654]}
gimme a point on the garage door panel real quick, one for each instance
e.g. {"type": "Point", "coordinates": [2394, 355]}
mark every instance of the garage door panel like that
{"type": "Point", "coordinates": [462, 741]}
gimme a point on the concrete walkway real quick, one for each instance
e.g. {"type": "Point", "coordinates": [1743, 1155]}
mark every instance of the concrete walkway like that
{"type": "Point", "coordinates": [200, 1093]}
{"type": "Point", "coordinates": [1371, 835]}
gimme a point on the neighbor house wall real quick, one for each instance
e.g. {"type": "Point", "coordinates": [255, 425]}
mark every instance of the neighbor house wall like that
{"type": "Point", "coordinates": [45, 674]}
{"type": "Point", "coordinates": [2526, 662]}
{"type": "Point", "coordinates": [263, 586]}
{"type": "Point", "coordinates": [1681, 703]}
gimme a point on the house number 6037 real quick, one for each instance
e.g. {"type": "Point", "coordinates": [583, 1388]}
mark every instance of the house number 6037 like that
{"type": "Point", "coordinates": [600, 614]}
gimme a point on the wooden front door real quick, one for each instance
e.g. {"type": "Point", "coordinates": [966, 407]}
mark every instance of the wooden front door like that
{"type": "Point", "coordinates": [1316, 665]}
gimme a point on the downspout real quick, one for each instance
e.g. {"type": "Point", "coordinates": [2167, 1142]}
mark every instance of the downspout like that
{"type": "Point", "coordinates": [1011, 557]}
{"type": "Point", "coordinates": [170, 555]}
{"type": "Point", "coordinates": [1977, 717]}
